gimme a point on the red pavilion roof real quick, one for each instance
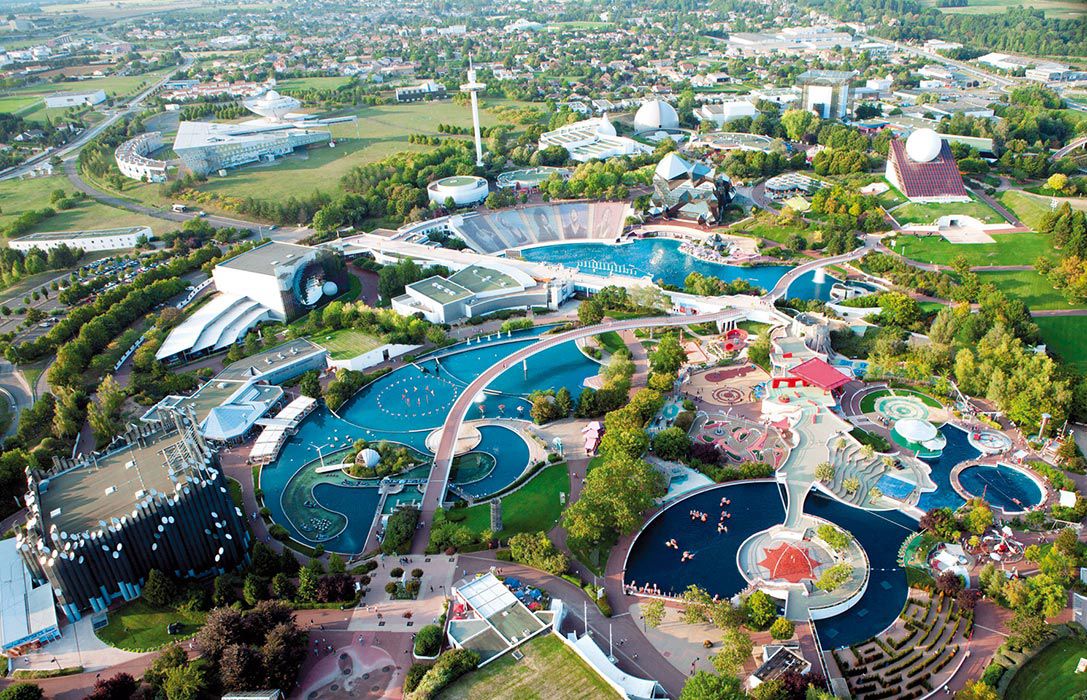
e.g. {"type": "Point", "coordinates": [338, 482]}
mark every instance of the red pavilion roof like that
{"type": "Point", "coordinates": [789, 562]}
{"type": "Point", "coordinates": [818, 372]}
{"type": "Point", "coordinates": [937, 178]}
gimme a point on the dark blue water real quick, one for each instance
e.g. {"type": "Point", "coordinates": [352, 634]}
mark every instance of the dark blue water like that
{"type": "Point", "coordinates": [661, 259]}
{"type": "Point", "coordinates": [755, 507]}
{"type": "Point", "coordinates": [511, 457]}
{"type": "Point", "coordinates": [1003, 486]}
{"type": "Point", "coordinates": [957, 450]}
{"type": "Point", "coordinates": [881, 535]}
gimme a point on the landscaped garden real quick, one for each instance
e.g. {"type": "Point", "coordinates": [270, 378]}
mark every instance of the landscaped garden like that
{"type": "Point", "coordinates": [1051, 673]}
{"type": "Point", "coordinates": [1007, 249]}
{"type": "Point", "coordinates": [140, 626]}
{"type": "Point", "coordinates": [1063, 335]}
{"type": "Point", "coordinates": [918, 213]}
{"type": "Point", "coordinates": [534, 507]}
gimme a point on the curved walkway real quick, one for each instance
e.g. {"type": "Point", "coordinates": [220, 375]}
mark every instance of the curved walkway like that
{"type": "Point", "coordinates": [871, 242]}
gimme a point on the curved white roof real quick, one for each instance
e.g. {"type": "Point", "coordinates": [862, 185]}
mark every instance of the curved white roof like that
{"type": "Point", "coordinates": [656, 114]}
{"type": "Point", "coordinates": [369, 457]}
{"type": "Point", "coordinates": [916, 430]}
{"type": "Point", "coordinates": [923, 146]}
{"type": "Point", "coordinates": [272, 105]}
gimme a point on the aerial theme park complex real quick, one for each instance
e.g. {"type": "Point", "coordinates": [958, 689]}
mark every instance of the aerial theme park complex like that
{"type": "Point", "coordinates": [416, 352]}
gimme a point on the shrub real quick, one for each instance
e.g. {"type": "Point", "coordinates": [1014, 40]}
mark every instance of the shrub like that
{"type": "Point", "coordinates": [391, 587]}
{"type": "Point", "coordinates": [450, 666]}
{"type": "Point", "coordinates": [397, 572]}
{"type": "Point", "coordinates": [503, 555]}
{"type": "Point", "coordinates": [782, 629]}
{"type": "Point", "coordinates": [414, 675]}
{"type": "Point", "coordinates": [417, 573]}
{"type": "Point", "coordinates": [428, 641]}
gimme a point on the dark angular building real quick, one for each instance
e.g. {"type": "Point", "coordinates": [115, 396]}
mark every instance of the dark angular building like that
{"type": "Point", "coordinates": [690, 190]}
{"type": "Point", "coordinates": [156, 499]}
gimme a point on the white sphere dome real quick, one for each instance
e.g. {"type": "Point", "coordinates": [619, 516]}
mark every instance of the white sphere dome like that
{"type": "Point", "coordinates": [369, 458]}
{"type": "Point", "coordinates": [923, 145]}
{"type": "Point", "coordinates": [329, 288]}
{"type": "Point", "coordinates": [656, 114]}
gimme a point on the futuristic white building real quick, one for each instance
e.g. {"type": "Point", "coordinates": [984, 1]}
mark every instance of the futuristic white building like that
{"type": "Point", "coordinates": [591, 139]}
{"type": "Point", "coordinates": [655, 115]}
{"type": "Point", "coordinates": [924, 170]}
{"type": "Point", "coordinates": [464, 190]}
{"type": "Point", "coordinates": [206, 147]}
{"type": "Point", "coordinates": [132, 160]}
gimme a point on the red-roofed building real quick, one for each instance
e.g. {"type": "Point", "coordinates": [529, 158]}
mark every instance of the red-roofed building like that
{"type": "Point", "coordinates": [813, 372]}
{"type": "Point", "coordinates": [933, 179]}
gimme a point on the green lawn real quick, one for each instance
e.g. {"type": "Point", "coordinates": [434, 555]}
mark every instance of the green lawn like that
{"type": "Point", "coordinates": [312, 83]}
{"type": "Point", "coordinates": [18, 196]}
{"type": "Point", "coordinates": [548, 670]}
{"type": "Point", "coordinates": [1054, 9]}
{"type": "Point", "coordinates": [1008, 249]}
{"type": "Point", "coordinates": [1033, 289]}
{"type": "Point", "coordinates": [1030, 208]}
{"type": "Point", "coordinates": [917, 213]}
{"type": "Point", "coordinates": [534, 507]}
{"type": "Point", "coordinates": [114, 86]}
{"type": "Point", "coordinates": [611, 342]}
{"type": "Point", "coordinates": [347, 343]}
{"type": "Point", "coordinates": [140, 626]}
{"type": "Point", "coordinates": [1052, 673]}
{"type": "Point", "coordinates": [1064, 335]}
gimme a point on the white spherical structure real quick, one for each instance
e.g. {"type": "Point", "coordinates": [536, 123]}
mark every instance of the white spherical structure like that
{"type": "Point", "coordinates": [463, 189]}
{"type": "Point", "coordinates": [330, 289]}
{"type": "Point", "coordinates": [369, 458]}
{"type": "Point", "coordinates": [923, 145]}
{"type": "Point", "coordinates": [272, 105]}
{"type": "Point", "coordinates": [654, 115]}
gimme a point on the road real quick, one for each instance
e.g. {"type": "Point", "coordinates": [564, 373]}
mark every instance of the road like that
{"type": "Point", "coordinates": [16, 392]}
{"type": "Point", "coordinates": [81, 140]}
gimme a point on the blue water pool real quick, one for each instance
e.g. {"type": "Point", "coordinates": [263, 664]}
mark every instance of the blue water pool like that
{"type": "Point", "coordinates": [1003, 486]}
{"type": "Point", "coordinates": [957, 450]}
{"type": "Point", "coordinates": [756, 507]}
{"type": "Point", "coordinates": [511, 457]}
{"type": "Point", "coordinates": [895, 488]}
{"type": "Point", "coordinates": [880, 534]}
{"type": "Point", "coordinates": [404, 406]}
{"type": "Point", "coordinates": [661, 259]}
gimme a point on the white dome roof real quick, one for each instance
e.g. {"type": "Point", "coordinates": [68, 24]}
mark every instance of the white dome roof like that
{"type": "Point", "coordinates": [923, 145]}
{"type": "Point", "coordinates": [916, 430]}
{"type": "Point", "coordinates": [369, 458]}
{"type": "Point", "coordinates": [656, 114]}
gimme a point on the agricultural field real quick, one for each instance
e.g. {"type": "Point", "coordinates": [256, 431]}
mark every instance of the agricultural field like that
{"type": "Point", "coordinates": [18, 196]}
{"type": "Point", "coordinates": [1063, 335]}
{"type": "Point", "coordinates": [915, 213]}
{"type": "Point", "coordinates": [1008, 249]}
{"type": "Point", "coordinates": [549, 669]}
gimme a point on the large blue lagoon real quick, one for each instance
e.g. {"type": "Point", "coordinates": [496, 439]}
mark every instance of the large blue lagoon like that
{"type": "Point", "coordinates": [404, 406]}
{"type": "Point", "coordinates": [661, 259]}
{"type": "Point", "coordinates": [1005, 487]}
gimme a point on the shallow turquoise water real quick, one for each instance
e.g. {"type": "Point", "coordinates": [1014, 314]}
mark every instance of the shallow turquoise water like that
{"type": "Point", "coordinates": [661, 259]}
{"type": "Point", "coordinates": [511, 457]}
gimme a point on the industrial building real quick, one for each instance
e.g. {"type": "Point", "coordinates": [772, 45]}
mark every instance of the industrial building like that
{"type": "Point", "coordinates": [592, 139]}
{"type": "Point", "coordinates": [133, 161]}
{"type": "Point", "coordinates": [75, 99]}
{"type": "Point", "coordinates": [826, 92]}
{"type": "Point", "coordinates": [721, 113]}
{"type": "Point", "coordinates": [156, 499]}
{"type": "Point", "coordinates": [275, 281]}
{"type": "Point", "coordinates": [102, 239]}
{"type": "Point", "coordinates": [923, 169]}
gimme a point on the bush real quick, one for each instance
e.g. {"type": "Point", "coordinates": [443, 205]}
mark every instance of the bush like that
{"type": "Point", "coordinates": [396, 572]}
{"type": "Point", "coordinates": [399, 531]}
{"type": "Point", "coordinates": [503, 555]}
{"type": "Point", "coordinates": [417, 573]}
{"type": "Point", "coordinates": [782, 629]}
{"type": "Point", "coordinates": [414, 675]}
{"type": "Point", "coordinates": [450, 666]}
{"type": "Point", "coordinates": [391, 587]}
{"type": "Point", "coordinates": [428, 641]}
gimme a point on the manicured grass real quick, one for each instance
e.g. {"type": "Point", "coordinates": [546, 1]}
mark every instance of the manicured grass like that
{"type": "Point", "coordinates": [549, 670]}
{"type": "Point", "coordinates": [611, 342]}
{"type": "Point", "coordinates": [1052, 673]}
{"type": "Point", "coordinates": [1064, 336]}
{"type": "Point", "coordinates": [534, 507]}
{"type": "Point", "coordinates": [1007, 249]}
{"type": "Point", "coordinates": [312, 83]}
{"type": "Point", "coordinates": [754, 328]}
{"type": "Point", "coordinates": [347, 343]}
{"type": "Point", "coordinates": [19, 196]}
{"type": "Point", "coordinates": [1032, 288]}
{"type": "Point", "coordinates": [235, 488]}
{"type": "Point", "coordinates": [1030, 208]}
{"type": "Point", "coordinates": [773, 232]}
{"type": "Point", "coordinates": [140, 626]}
{"type": "Point", "coordinates": [916, 213]}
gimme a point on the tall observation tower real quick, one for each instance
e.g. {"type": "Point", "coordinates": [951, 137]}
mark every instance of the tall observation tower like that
{"type": "Point", "coordinates": [473, 87]}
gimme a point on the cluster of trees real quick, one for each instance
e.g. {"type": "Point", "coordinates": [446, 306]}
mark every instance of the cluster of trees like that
{"type": "Point", "coordinates": [450, 666]}
{"type": "Point", "coordinates": [707, 286]}
{"type": "Point", "coordinates": [848, 210]}
{"type": "Point", "coordinates": [346, 383]}
{"type": "Point", "coordinates": [16, 264]}
{"type": "Point", "coordinates": [96, 157]}
{"type": "Point", "coordinates": [609, 179]}
{"type": "Point", "coordinates": [1069, 230]}
{"type": "Point", "coordinates": [217, 110]}
{"type": "Point", "coordinates": [1045, 593]}
{"type": "Point", "coordinates": [748, 165]}
{"type": "Point", "coordinates": [399, 531]}
{"type": "Point", "coordinates": [259, 648]}
{"type": "Point", "coordinates": [384, 323]}
{"type": "Point", "coordinates": [535, 549]}
{"type": "Point", "coordinates": [391, 279]}
{"type": "Point", "coordinates": [395, 458]}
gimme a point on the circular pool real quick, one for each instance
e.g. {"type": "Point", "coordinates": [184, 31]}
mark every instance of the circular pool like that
{"type": "Point", "coordinates": [1005, 487]}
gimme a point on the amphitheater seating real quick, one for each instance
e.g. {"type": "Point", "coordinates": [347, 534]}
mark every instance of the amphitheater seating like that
{"type": "Point", "coordinates": [546, 223]}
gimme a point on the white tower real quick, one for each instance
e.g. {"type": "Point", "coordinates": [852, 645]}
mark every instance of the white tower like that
{"type": "Point", "coordinates": [473, 87]}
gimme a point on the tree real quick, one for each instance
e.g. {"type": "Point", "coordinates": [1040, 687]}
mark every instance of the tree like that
{"type": "Point", "coordinates": [310, 385]}
{"type": "Point", "coordinates": [782, 628]}
{"type": "Point", "coordinates": [1027, 629]}
{"type": "Point", "coordinates": [1066, 542]}
{"type": "Point", "coordinates": [977, 690]}
{"type": "Point", "coordinates": [282, 588]}
{"type": "Point", "coordinates": [155, 675]}
{"type": "Point", "coordinates": [590, 312]}
{"type": "Point", "coordinates": [671, 443]}
{"type": "Point", "coordinates": [535, 549]}
{"type": "Point", "coordinates": [852, 484]}
{"type": "Point", "coordinates": [307, 581]}
{"type": "Point", "coordinates": [736, 648]}
{"type": "Point", "coordinates": [254, 588]}
{"type": "Point", "coordinates": [564, 403]}
{"type": "Point", "coordinates": [949, 583]}
{"type": "Point", "coordinates": [159, 590]}
{"type": "Point", "coordinates": [22, 691]}
{"type": "Point", "coordinates": [798, 123]}
{"type": "Point", "coordinates": [979, 518]}
{"type": "Point", "coordinates": [188, 681]}
{"type": "Point", "coordinates": [760, 609]}
{"type": "Point", "coordinates": [669, 355]}
{"type": "Point", "coordinates": [105, 414]}
{"type": "Point", "coordinates": [704, 685]}
{"type": "Point", "coordinates": [1057, 182]}
{"type": "Point", "coordinates": [824, 472]}
{"type": "Point", "coordinates": [121, 686]}
{"type": "Point", "coordinates": [282, 654]}
{"type": "Point", "coordinates": [653, 612]}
